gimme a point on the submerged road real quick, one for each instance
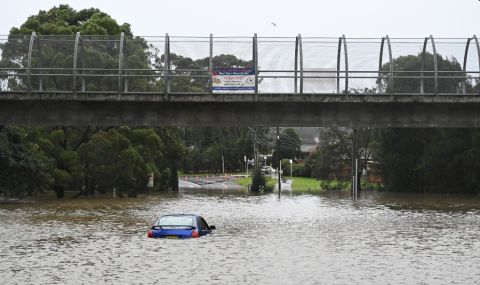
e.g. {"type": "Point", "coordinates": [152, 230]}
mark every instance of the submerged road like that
{"type": "Point", "coordinates": [212, 182]}
{"type": "Point", "coordinates": [259, 239]}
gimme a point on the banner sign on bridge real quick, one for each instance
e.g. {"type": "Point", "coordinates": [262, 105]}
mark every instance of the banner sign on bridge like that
{"type": "Point", "coordinates": [239, 80]}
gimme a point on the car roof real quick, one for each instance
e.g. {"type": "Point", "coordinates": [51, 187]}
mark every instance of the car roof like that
{"type": "Point", "coordinates": [180, 215]}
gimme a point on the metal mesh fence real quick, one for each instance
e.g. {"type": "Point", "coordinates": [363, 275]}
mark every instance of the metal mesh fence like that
{"type": "Point", "coordinates": [14, 62]}
{"type": "Point", "coordinates": [99, 58]}
{"type": "Point", "coordinates": [3, 73]}
{"type": "Point", "coordinates": [180, 64]}
{"type": "Point", "coordinates": [320, 57]}
{"type": "Point", "coordinates": [143, 64]}
{"type": "Point", "coordinates": [52, 63]}
{"type": "Point", "coordinates": [276, 64]}
{"type": "Point", "coordinates": [189, 64]}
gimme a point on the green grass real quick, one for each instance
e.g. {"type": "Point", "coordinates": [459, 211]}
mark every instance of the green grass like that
{"type": "Point", "coordinates": [245, 181]}
{"type": "Point", "coordinates": [303, 184]}
{"type": "Point", "coordinates": [271, 183]}
{"type": "Point", "coordinates": [310, 185]}
{"type": "Point", "coordinates": [204, 174]}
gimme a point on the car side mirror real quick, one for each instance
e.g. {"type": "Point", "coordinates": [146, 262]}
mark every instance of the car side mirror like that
{"type": "Point", "coordinates": [212, 227]}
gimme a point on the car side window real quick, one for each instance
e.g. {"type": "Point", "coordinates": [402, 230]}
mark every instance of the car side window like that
{"type": "Point", "coordinates": [203, 225]}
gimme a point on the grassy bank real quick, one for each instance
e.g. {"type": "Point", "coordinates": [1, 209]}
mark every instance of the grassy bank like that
{"type": "Point", "coordinates": [312, 185]}
{"type": "Point", "coordinates": [304, 184]}
{"type": "Point", "coordinates": [246, 181]}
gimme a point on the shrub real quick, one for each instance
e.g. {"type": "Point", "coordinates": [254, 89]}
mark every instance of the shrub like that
{"type": "Point", "coordinates": [258, 181]}
{"type": "Point", "coordinates": [334, 184]}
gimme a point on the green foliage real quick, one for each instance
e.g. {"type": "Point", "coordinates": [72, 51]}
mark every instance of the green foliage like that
{"type": "Point", "coordinates": [400, 154]}
{"type": "Point", "coordinates": [333, 156]}
{"type": "Point", "coordinates": [334, 185]}
{"type": "Point", "coordinates": [64, 20]}
{"type": "Point", "coordinates": [207, 145]}
{"type": "Point", "coordinates": [123, 159]}
{"type": "Point", "coordinates": [87, 159]}
{"type": "Point", "coordinates": [258, 182]}
{"type": "Point", "coordinates": [24, 169]}
{"type": "Point", "coordinates": [300, 170]}
{"type": "Point", "coordinates": [305, 184]}
{"type": "Point", "coordinates": [411, 64]}
{"type": "Point", "coordinates": [371, 186]}
{"type": "Point", "coordinates": [429, 160]}
{"type": "Point", "coordinates": [288, 145]}
{"type": "Point", "coordinates": [286, 167]}
{"type": "Point", "coordinates": [326, 162]}
{"type": "Point", "coordinates": [243, 181]}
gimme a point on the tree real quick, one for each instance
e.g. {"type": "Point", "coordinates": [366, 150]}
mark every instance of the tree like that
{"type": "Point", "coordinates": [205, 147]}
{"type": "Point", "coordinates": [114, 163]}
{"type": "Point", "coordinates": [429, 160]}
{"type": "Point", "coordinates": [289, 144]}
{"type": "Point", "coordinates": [54, 47]}
{"type": "Point", "coordinates": [173, 155]}
{"type": "Point", "coordinates": [91, 158]}
{"type": "Point", "coordinates": [258, 181]}
{"type": "Point", "coordinates": [24, 169]}
{"type": "Point", "coordinates": [411, 64]}
{"type": "Point", "coordinates": [336, 152]}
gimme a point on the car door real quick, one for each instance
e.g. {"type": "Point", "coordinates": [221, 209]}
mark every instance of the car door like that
{"type": "Point", "coordinates": [204, 229]}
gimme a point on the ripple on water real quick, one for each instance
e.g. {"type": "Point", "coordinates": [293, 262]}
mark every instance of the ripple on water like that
{"type": "Point", "coordinates": [301, 239]}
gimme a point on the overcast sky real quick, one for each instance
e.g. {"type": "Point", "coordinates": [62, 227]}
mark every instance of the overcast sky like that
{"type": "Point", "coordinates": [354, 18]}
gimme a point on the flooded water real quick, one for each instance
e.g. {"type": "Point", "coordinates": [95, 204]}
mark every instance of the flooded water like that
{"type": "Point", "coordinates": [304, 239]}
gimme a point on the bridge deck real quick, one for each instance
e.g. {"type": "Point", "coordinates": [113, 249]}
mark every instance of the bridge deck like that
{"type": "Point", "coordinates": [153, 109]}
{"type": "Point", "coordinates": [242, 98]}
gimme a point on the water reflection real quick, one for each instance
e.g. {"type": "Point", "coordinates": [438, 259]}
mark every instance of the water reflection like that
{"type": "Point", "coordinates": [300, 239]}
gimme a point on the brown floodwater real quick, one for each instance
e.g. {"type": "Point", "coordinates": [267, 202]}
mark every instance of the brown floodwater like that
{"type": "Point", "coordinates": [300, 239]}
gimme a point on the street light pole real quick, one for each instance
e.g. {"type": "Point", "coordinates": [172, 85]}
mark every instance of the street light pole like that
{"type": "Point", "coordinates": [279, 163]}
{"type": "Point", "coordinates": [246, 164]}
{"type": "Point", "coordinates": [291, 173]}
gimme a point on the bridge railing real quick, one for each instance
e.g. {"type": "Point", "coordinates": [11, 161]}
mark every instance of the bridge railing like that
{"type": "Point", "coordinates": [180, 64]}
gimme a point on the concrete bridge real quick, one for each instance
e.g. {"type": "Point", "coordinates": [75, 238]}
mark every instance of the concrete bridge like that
{"type": "Point", "coordinates": [83, 90]}
{"type": "Point", "coordinates": [359, 110]}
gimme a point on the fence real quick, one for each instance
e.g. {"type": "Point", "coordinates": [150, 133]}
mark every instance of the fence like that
{"type": "Point", "coordinates": [179, 64]}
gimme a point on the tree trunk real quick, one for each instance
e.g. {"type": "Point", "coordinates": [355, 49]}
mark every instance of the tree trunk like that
{"type": "Point", "coordinates": [60, 191]}
{"type": "Point", "coordinates": [173, 181]}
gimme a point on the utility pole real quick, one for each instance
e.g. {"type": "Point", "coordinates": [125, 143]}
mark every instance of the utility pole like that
{"type": "Point", "coordinates": [255, 150]}
{"type": "Point", "coordinates": [223, 165]}
{"type": "Point", "coordinates": [254, 139]}
{"type": "Point", "coordinates": [279, 163]}
{"type": "Point", "coordinates": [223, 162]}
{"type": "Point", "coordinates": [354, 165]}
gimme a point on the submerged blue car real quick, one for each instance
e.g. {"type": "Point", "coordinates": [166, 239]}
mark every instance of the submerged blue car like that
{"type": "Point", "coordinates": [180, 226]}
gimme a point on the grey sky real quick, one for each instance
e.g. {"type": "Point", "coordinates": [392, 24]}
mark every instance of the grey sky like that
{"type": "Point", "coordinates": [375, 18]}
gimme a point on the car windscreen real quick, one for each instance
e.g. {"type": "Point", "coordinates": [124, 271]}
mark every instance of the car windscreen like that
{"type": "Point", "coordinates": [177, 221]}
